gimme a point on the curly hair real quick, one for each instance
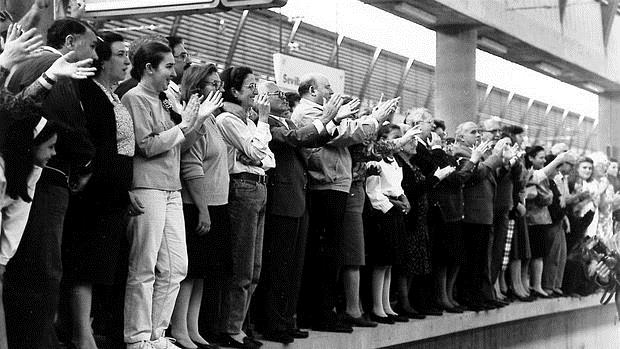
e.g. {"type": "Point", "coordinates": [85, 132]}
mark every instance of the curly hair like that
{"type": "Point", "coordinates": [104, 49]}
{"type": "Point", "coordinates": [19, 118]}
{"type": "Point", "coordinates": [195, 79]}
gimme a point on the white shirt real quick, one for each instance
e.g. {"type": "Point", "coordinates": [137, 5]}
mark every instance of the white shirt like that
{"type": "Point", "coordinates": [388, 184]}
{"type": "Point", "coordinates": [246, 138]}
{"type": "Point", "coordinates": [14, 215]}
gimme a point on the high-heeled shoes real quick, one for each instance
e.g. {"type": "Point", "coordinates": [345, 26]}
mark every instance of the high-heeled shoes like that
{"type": "Point", "coordinates": [513, 295]}
{"type": "Point", "coordinates": [381, 319]}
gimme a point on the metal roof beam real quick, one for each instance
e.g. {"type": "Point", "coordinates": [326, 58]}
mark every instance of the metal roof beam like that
{"type": "Point", "coordinates": [293, 33]}
{"type": "Point", "coordinates": [403, 78]}
{"type": "Point", "coordinates": [174, 28]}
{"type": "Point", "coordinates": [371, 67]}
{"type": "Point", "coordinates": [608, 13]}
{"type": "Point", "coordinates": [235, 40]}
{"type": "Point", "coordinates": [333, 57]}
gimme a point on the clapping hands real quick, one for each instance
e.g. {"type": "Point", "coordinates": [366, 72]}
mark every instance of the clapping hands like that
{"type": "Point", "coordinates": [209, 104]}
{"type": "Point", "coordinates": [385, 109]}
{"type": "Point", "coordinates": [348, 110]}
{"type": "Point", "coordinates": [477, 151]}
{"type": "Point", "coordinates": [331, 108]}
{"type": "Point", "coordinates": [442, 173]}
{"type": "Point", "coordinates": [263, 107]}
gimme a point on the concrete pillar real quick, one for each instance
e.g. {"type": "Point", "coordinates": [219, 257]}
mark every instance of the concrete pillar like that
{"type": "Point", "coordinates": [456, 94]}
{"type": "Point", "coordinates": [608, 127]}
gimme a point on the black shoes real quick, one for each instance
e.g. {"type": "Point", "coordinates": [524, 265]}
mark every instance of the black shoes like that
{"type": "Point", "coordinates": [279, 336]}
{"type": "Point", "coordinates": [381, 319]}
{"type": "Point", "coordinates": [398, 318]}
{"type": "Point", "coordinates": [248, 343]}
{"type": "Point", "coordinates": [360, 321]}
{"type": "Point", "coordinates": [297, 333]}
{"type": "Point", "coordinates": [332, 326]}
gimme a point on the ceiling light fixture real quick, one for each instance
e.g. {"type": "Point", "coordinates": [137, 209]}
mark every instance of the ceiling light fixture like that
{"type": "Point", "coordinates": [594, 87]}
{"type": "Point", "coordinates": [492, 45]}
{"type": "Point", "coordinates": [416, 13]}
{"type": "Point", "coordinates": [549, 68]}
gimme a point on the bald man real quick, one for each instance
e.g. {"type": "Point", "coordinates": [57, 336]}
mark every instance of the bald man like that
{"type": "Point", "coordinates": [475, 287]}
{"type": "Point", "coordinates": [286, 223]}
{"type": "Point", "coordinates": [330, 178]}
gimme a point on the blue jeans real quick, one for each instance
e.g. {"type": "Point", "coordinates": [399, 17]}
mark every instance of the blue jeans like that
{"type": "Point", "coordinates": [246, 209]}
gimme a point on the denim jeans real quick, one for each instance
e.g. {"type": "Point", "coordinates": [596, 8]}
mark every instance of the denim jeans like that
{"type": "Point", "coordinates": [246, 208]}
{"type": "Point", "coordinates": [157, 264]}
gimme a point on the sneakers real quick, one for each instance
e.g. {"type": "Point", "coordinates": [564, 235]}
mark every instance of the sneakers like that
{"type": "Point", "coordinates": [140, 345]}
{"type": "Point", "coordinates": [164, 343]}
{"type": "Point", "coordinates": [161, 343]}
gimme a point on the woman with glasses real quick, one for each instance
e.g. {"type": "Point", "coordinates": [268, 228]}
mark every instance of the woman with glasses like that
{"type": "Point", "coordinates": [204, 176]}
{"type": "Point", "coordinates": [248, 158]}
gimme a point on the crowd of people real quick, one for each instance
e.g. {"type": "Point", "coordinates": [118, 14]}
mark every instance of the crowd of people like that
{"type": "Point", "coordinates": [187, 207]}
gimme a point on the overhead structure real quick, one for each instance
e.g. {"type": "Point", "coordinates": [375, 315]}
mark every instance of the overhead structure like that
{"type": "Point", "coordinates": [115, 9]}
{"type": "Point", "coordinates": [575, 41]}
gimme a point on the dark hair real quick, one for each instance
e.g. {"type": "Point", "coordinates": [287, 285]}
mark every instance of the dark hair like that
{"type": "Point", "coordinates": [613, 160]}
{"type": "Point", "coordinates": [135, 45]}
{"type": "Point", "coordinates": [104, 49]}
{"type": "Point", "coordinates": [293, 98]}
{"type": "Point", "coordinates": [385, 130]}
{"type": "Point", "coordinates": [195, 79]}
{"type": "Point", "coordinates": [151, 52]}
{"type": "Point", "coordinates": [233, 78]}
{"type": "Point", "coordinates": [550, 157]}
{"type": "Point", "coordinates": [59, 30]}
{"type": "Point", "coordinates": [17, 148]}
{"type": "Point", "coordinates": [532, 152]}
{"type": "Point", "coordinates": [173, 41]}
{"type": "Point", "coordinates": [439, 124]}
{"type": "Point", "coordinates": [304, 87]}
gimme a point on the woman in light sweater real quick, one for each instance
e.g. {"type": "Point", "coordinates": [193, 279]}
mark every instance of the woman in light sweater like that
{"type": "Point", "coordinates": [157, 250]}
{"type": "Point", "coordinates": [204, 175]}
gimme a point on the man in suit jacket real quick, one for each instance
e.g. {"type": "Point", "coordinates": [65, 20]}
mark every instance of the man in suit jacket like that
{"type": "Point", "coordinates": [476, 289]}
{"type": "Point", "coordinates": [286, 223]}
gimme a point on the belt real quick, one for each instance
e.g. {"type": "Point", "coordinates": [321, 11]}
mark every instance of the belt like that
{"type": "Point", "coordinates": [261, 179]}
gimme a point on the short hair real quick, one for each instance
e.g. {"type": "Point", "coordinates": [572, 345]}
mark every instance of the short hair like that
{"type": "Point", "coordinates": [613, 160]}
{"type": "Point", "coordinates": [384, 130]}
{"type": "Point", "coordinates": [460, 129]}
{"type": "Point", "coordinates": [419, 114]}
{"type": "Point", "coordinates": [104, 49]}
{"type": "Point", "coordinates": [439, 124]}
{"type": "Point", "coordinates": [59, 30]}
{"type": "Point", "coordinates": [194, 79]}
{"type": "Point", "coordinates": [531, 152]}
{"type": "Point", "coordinates": [151, 52]}
{"type": "Point", "coordinates": [293, 98]}
{"type": "Point", "coordinates": [233, 78]}
{"type": "Point", "coordinates": [306, 82]}
{"type": "Point", "coordinates": [173, 41]}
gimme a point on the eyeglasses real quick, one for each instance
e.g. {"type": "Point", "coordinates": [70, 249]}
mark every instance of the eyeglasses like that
{"type": "Point", "coordinates": [251, 86]}
{"type": "Point", "coordinates": [217, 84]}
{"type": "Point", "coordinates": [495, 130]}
{"type": "Point", "coordinates": [277, 93]}
{"type": "Point", "coordinates": [182, 55]}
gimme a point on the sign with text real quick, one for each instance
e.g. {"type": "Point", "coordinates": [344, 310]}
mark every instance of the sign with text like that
{"type": "Point", "coordinates": [289, 70]}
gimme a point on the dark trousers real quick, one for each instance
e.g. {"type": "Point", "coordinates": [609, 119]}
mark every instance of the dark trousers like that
{"type": "Point", "coordinates": [284, 250]}
{"type": "Point", "coordinates": [474, 278]}
{"type": "Point", "coordinates": [320, 279]}
{"type": "Point", "coordinates": [500, 232]}
{"type": "Point", "coordinates": [32, 280]}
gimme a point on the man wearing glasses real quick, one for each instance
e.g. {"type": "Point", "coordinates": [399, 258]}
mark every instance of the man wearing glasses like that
{"type": "Point", "coordinates": [182, 61]}
{"type": "Point", "coordinates": [286, 223]}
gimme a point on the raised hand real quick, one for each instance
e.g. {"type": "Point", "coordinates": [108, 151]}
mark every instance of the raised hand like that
{"type": "Point", "coordinates": [478, 151]}
{"type": "Point", "coordinates": [190, 114]}
{"type": "Point", "coordinates": [76, 70]}
{"type": "Point", "coordinates": [348, 110]}
{"type": "Point", "coordinates": [262, 105]}
{"type": "Point", "coordinates": [77, 8]}
{"type": "Point", "coordinates": [331, 107]}
{"type": "Point", "coordinates": [211, 103]}
{"type": "Point", "coordinates": [501, 145]}
{"type": "Point", "coordinates": [20, 46]}
{"type": "Point", "coordinates": [412, 132]}
{"type": "Point", "coordinates": [385, 109]}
